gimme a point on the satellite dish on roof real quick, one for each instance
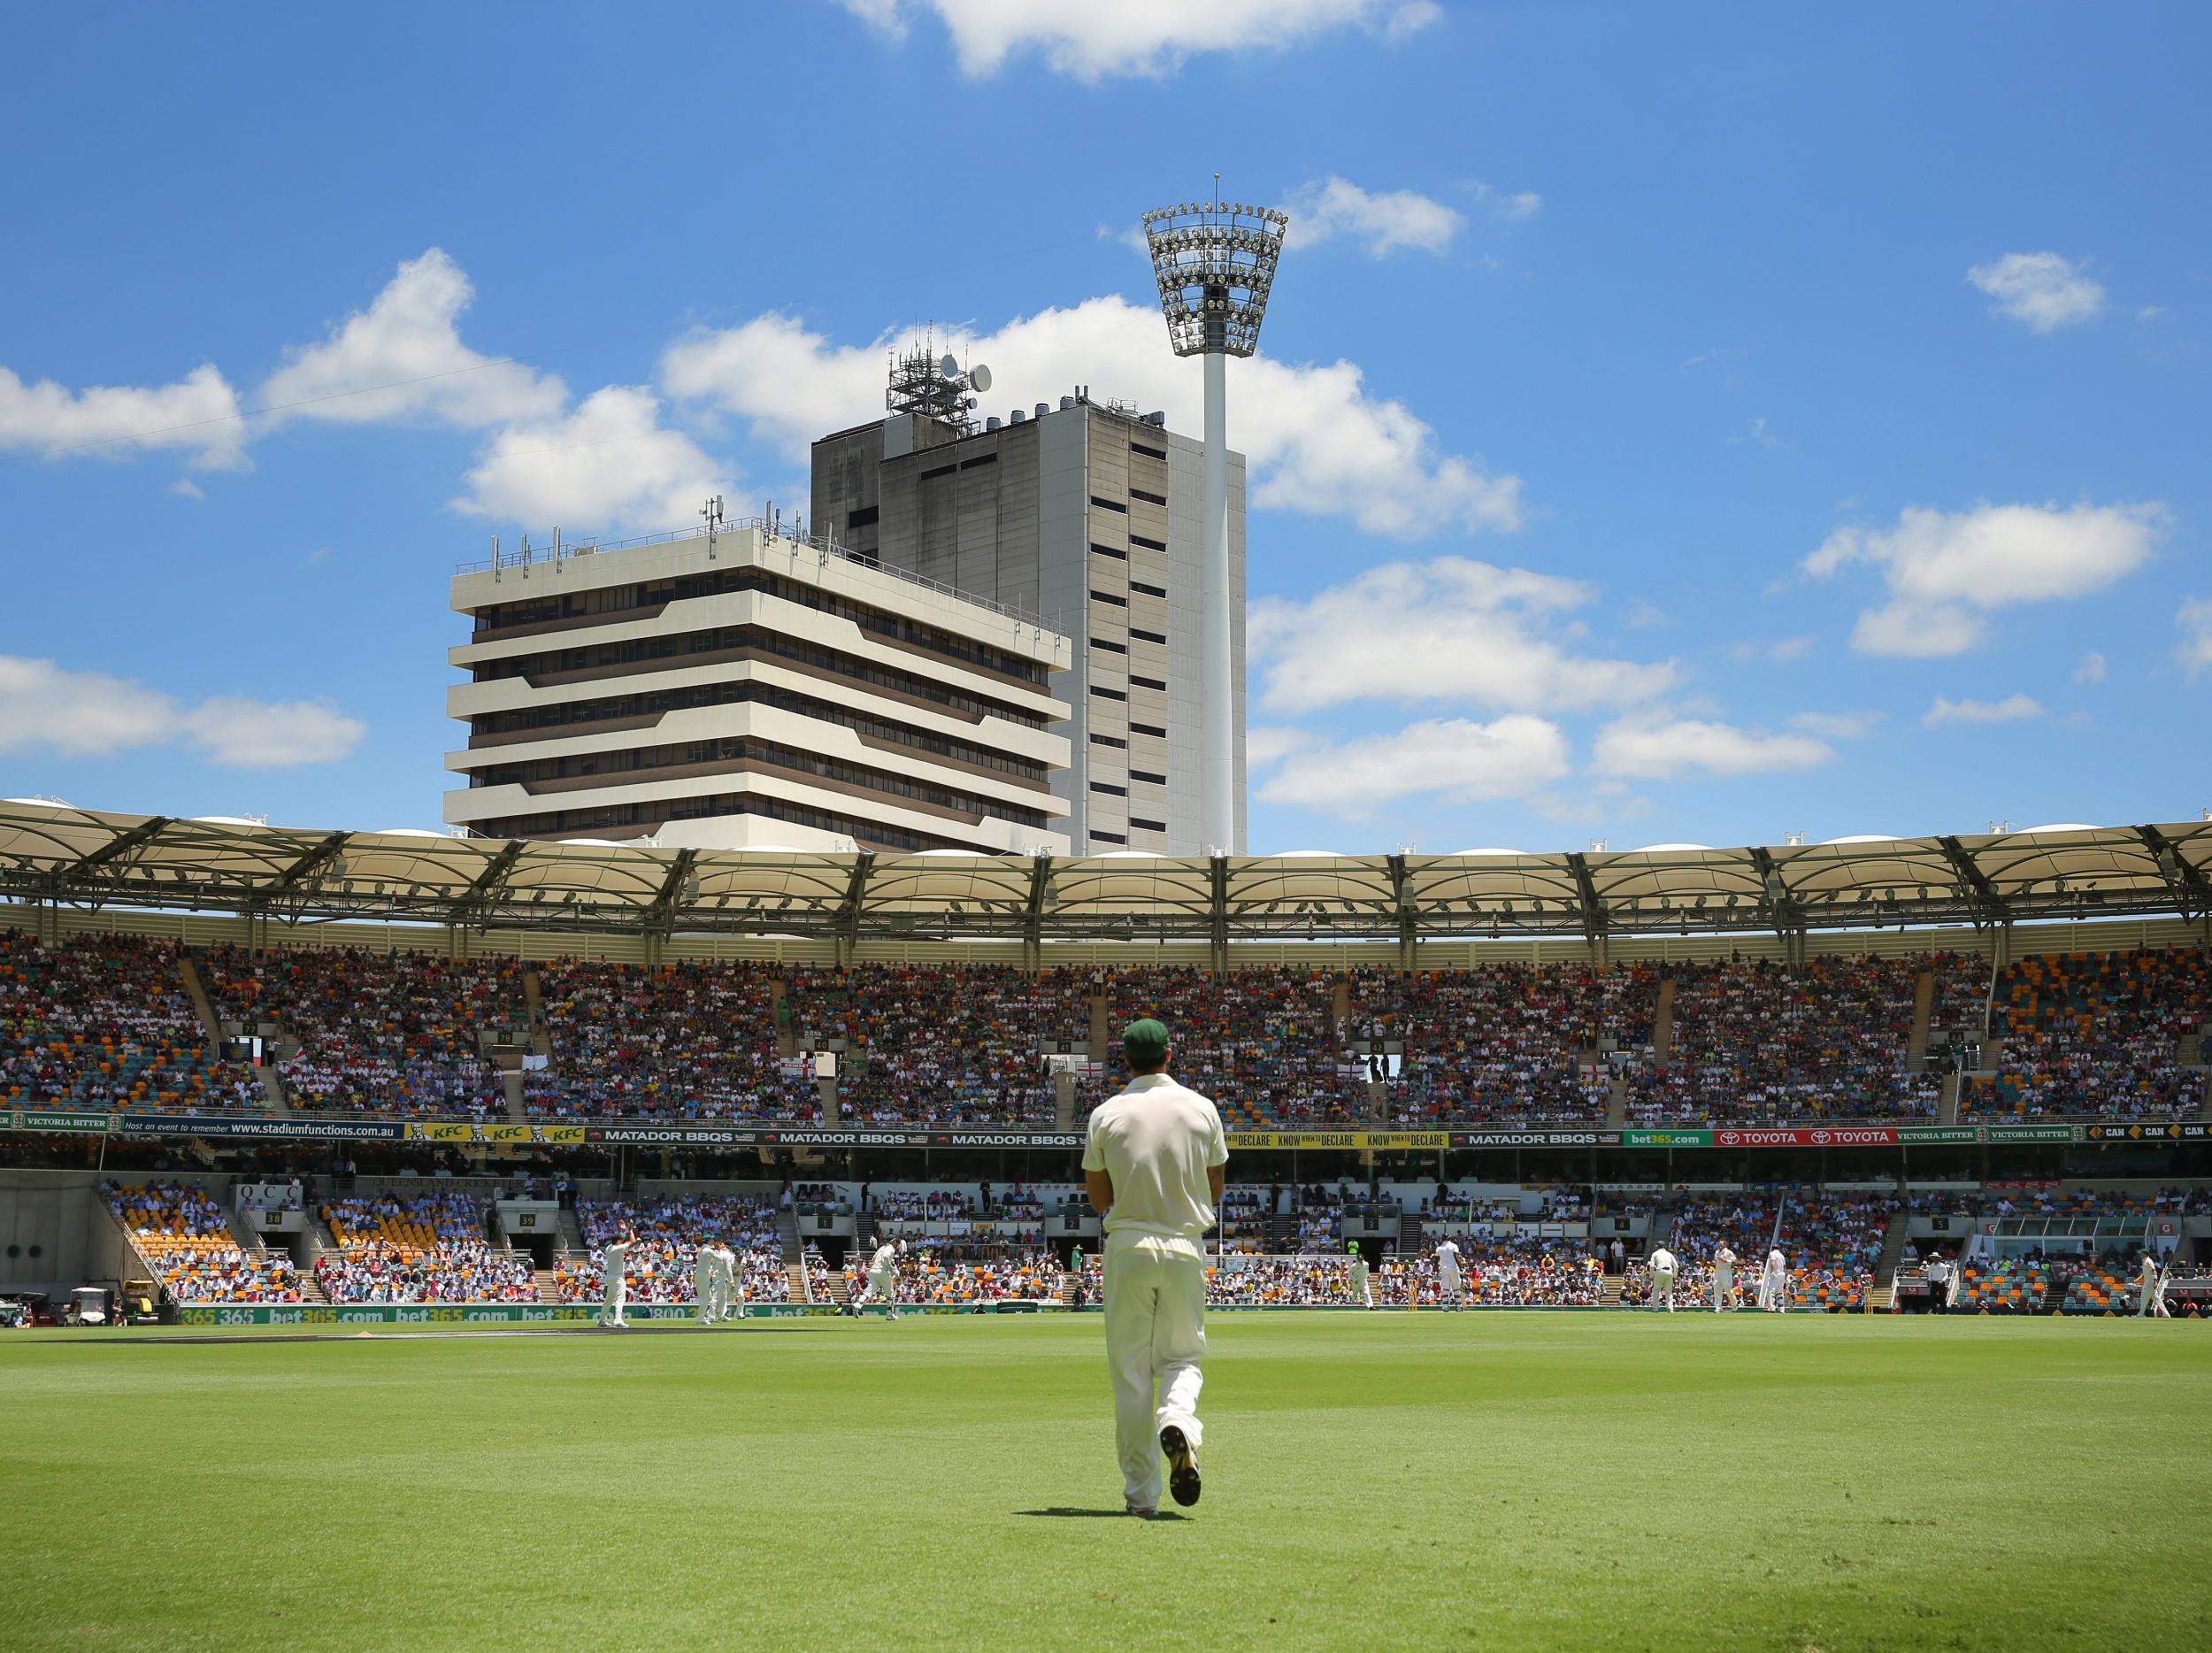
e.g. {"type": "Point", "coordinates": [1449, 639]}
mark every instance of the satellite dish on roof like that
{"type": "Point", "coordinates": [950, 366]}
{"type": "Point", "coordinates": [978, 377]}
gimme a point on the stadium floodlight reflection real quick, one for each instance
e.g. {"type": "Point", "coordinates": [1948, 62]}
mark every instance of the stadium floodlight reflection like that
{"type": "Point", "coordinates": [1214, 266]}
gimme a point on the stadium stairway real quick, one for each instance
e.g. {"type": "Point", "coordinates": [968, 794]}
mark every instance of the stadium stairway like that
{"type": "Point", "coordinates": [1947, 1101]}
{"type": "Point", "coordinates": [1282, 1234]}
{"type": "Point", "coordinates": [1617, 1103]}
{"type": "Point", "coordinates": [572, 1236]}
{"type": "Point", "coordinates": [1877, 1301]}
{"type": "Point", "coordinates": [1663, 1023]}
{"type": "Point", "coordinates": [1923, 1001]}
{"type": "Point", "coordinates": [1609, 1294]}
{"type": "Point", "coordinates": [547, 1292]}
{"type": "Point", "coordinates": [202, 1006]}
{"type": "Point", "coordinates": [788, 1234]}
{"type": "Point", "coordinates": [1102, 1035]}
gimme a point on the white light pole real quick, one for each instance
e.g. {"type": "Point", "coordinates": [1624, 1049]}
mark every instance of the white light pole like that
{"type": "Point", "coordinates": [1215, 264]}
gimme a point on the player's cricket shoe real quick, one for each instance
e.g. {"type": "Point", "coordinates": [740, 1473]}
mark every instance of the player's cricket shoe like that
{"type": "Point", "coordinates": [1182, 1466]}
{"type": "Point", "coordinates": [1142, 1512]}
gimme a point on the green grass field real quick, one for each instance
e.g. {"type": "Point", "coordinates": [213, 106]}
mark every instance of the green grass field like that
{"type": "Point", "coordinates": [1480, 1480]}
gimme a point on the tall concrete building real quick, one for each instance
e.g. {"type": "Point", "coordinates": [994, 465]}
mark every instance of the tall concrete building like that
{"type": "Point", "coordinates": [1088, 514]}
{"type": "Point", "coordinates": [739, 689]}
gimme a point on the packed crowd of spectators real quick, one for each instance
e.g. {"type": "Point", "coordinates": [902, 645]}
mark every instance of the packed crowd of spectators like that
{"type": "Point", "coordinates": [669, 1229]}
{"type": "Point", "coordinates": [1261, 1042]}
{"type": "Point", "coordinates": [1753, 1039]}
{"type": "Point", "coordinates": [1703, 1223]}
{"type": "Point", "coordinates": [1279, 1282]}
{"type": "Point", "coordinates": [1832, 1245]}
{"type": "Point", "coordinates": [1247, 1220]}
{"type": "Point", "coordinates": [696, 1040]}
{"type": "Point", "coordinates": [103, 1022]}
{"type": "Point", "coordinates": [181, 1232]}
{"type": "Point", "coordinates": [943, 1044]}
{"type": "Point", "coordinates": [2098, 1033]}
{"type": "Point", "coordinates": [1498, 1273]}
{"type": "Point", "coordinates": [418, 1247]}
{"type": "Point", "coordinates": [943, 1275]}
{"type": "Point", "coordinates": [377, 1032]}
{"type": "Point", "coordinates": [1503, 1043]}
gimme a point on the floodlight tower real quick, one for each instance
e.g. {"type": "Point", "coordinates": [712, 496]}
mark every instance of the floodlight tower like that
{"type": "Point", "coordinates": [1215, 264]}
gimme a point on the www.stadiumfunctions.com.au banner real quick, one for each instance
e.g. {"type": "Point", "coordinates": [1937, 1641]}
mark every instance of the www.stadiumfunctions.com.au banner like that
{"type": "Point", "coordinates": [639, 1133]}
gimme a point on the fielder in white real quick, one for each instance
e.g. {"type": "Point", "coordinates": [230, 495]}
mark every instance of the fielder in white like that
{"type": "Point", "coordinates": [713, 1275]}
{"type": "Point", "coordinates": [1723, 1280]}
{"type": "Point", "coordinates": [614, 1267]}
{"type": "Point", "coordinates": [883, 1277]}
{"type": "Point", "coordinates": [1662, 1278]}
{"type": "Point", "coordinates": [1774, 1283]}
{"type": "Point", "coordinates": [1152, 1165]}
{"type": "Point", "coordinates": [1361, 1284]}
{"type": "Point", "coordinates": [2150, 1287]}
{"type": "Point", "coordinates": [1451, 1291]}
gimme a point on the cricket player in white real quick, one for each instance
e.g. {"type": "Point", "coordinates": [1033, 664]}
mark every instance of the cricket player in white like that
{"type": "Point", "coordinates": [883, 1277]}
{"type": "Point", "coordinates": [1774, 1283]}
{"type": "Point", "coordinates": [1450, 1291]}
{"type": "Point", "coordinates": [1723, 1280]}
{"type": "Point", "coordinates": [713, 1273]}
{"type": "Point", "coordinates": [1662, 1278]}
{"type": "Point", "coordinates": [1152, 1165]}
{"type": "Point", "coordinates": [1360, 1282]}
{"type": "Point", "coordinates": [614, 1265]}
{"type": "Point", "coordinates": [2146, 1286]}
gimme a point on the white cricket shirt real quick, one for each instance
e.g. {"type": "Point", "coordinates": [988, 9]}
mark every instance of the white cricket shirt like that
{"type": "Point", "coordinates": [1156, 1141]}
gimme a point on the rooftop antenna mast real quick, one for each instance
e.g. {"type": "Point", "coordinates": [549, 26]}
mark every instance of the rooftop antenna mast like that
{"type": "Point", "coordinates": [1214, 266]}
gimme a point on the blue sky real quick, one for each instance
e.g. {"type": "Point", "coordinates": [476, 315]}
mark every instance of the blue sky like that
{"type": "Point", "coordinates": [1669, 425]}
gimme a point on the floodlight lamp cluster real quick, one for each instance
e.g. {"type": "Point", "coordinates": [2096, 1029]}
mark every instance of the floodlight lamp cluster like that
{"type": "Point", "coordinates": [1215, 264]}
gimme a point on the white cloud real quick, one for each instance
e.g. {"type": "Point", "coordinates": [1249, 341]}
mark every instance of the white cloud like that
{"type": "Point", "coordinates": [1945, 569]}
{"type": "Point", "coordinates": [1644, 615]}
{"type": "Point", "coordinates": [1838, 726]}
{"type": "Point", "coordinates": [2091, 669]}
{"type": "Point", "coordinates": [199, 412]}
{"type": "Point", "coordinates": [1653, 746]}
{"type": "Point", "coordinates": [2195, 652]}
{"type": "Point", "coordinates": [1265, 746]}
{"type": "Point", "coordinates": [1449, 629]}
{"type": "Point", "coordinates": [610, 462]}
{"type": "Point", "coordinates": [1383, 221]}
{"type": "Point", "coordinates": [403, 357]}
{"type": "Point", "coordinates": [2011, 708]}
{"type": "Point", "coordinates": [1316, 440]}
{"type": "Point", "coordinates": [1781, 649]}
{"type": "Point", "coordinates": [1505, 204]}
{"type": "Point", "coordinates": [186, 487]}
{"type": "Point", "coordinates": [2041, 290]}
{"type": "Point", "coordinates": [1090, 39]}
{"type": "Point", "coordinates": [1456, 758]}
{"type": "Point", "coordinates": [90, 714]}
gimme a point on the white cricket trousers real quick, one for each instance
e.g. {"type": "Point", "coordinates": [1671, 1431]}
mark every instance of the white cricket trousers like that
{"type": "Point", "coordinates": [1156, 1337]}
{"type": "Point", "coordinates": [1663, 1291]}
{"type": "Point", "coordinates": [617, 1295]}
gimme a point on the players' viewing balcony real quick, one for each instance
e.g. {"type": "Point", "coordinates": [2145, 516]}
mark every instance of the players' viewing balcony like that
{"type": "Point", "coordinates": [181, 1233]}
{"type": "Point", "coordinates": [105, 1022]}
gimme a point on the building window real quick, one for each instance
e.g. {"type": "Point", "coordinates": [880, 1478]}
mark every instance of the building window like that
{"type": "Point", "coordinates": [1151, 591]}
{"type": "Point", "coordinates": [1107, 551]}
{"type": "Point", "coordinates": [1109, 740]}
{"type": "Point", "coordinates": [1109, 504]}
{"type": "Point", "coordinates": [981, 458]}
{"type": "Point", "coordinates": [1138, 774]}
{"type": "Point", "coordinates": [1148, 825]}
{"type": "Point", "coordinates": [942, 470]}
{"type": "Point", "coordinates": [1108, 694]}
{"type": "Point", "coordinates": [1149, 545]}
{"type": "Point", "coordinates": [1150, 499]}
{"type": "Point", "coordinates": [1110, 648]}
{"type": "Point", "coordinates": [1142, 728]}
{"type": "Point", "coordinates": [1113, 792]}
{"type": "Point", "coordinates": [1109, 837]}
{"type": "Point", "coordinates": [1147, 636]}
{"type": "Point", "coordinates": [1107, 596]}
{"type": "Point", "coordinates": [862, 517]}
{"type": "Point", "coordinates": [1150, 453]}
{"type": "Point", "coordinates": [1147, 682]}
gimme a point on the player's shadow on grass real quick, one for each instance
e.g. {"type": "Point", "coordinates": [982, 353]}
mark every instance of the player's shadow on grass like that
{"type": "Point", "coordinates": [1065, 1513]}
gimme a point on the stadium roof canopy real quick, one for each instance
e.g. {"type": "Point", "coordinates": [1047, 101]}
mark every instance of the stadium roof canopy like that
{"type": "Point", "coordinates": [50, 852]}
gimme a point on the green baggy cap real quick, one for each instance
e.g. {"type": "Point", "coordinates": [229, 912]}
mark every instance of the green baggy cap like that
{"type": "Point", "coordinates": [1145, 1042]}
